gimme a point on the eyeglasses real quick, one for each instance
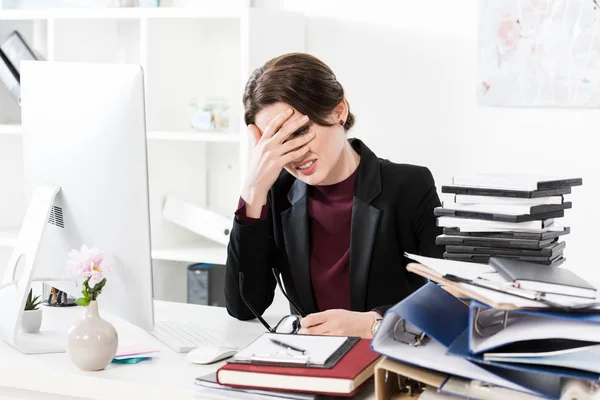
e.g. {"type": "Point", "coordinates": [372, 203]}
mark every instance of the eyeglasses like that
{"type": "Point", "coordinates": [288, 324]}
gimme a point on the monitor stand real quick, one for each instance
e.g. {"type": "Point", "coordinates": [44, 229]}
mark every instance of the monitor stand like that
{"type": "Point", "coordinates": [14, 289]}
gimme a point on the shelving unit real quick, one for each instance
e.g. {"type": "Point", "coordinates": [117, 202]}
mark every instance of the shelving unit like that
{"type": "Point", "coordinates": [206, 51]}
{"type": "Point", "coordinates": [191, 136]}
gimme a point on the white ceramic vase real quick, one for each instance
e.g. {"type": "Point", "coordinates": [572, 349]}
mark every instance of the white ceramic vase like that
{"type": "Point", "coordinates": [31, 321]}
{"type": "Point", "coordinates": [92, 342]}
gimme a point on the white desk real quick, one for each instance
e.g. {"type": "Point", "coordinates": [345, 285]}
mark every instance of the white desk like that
{"type": "Point", "coordinates": [168, 376]}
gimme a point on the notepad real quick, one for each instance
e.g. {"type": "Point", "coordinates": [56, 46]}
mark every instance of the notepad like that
{"type": "Point", "coordinates": [318, 349]}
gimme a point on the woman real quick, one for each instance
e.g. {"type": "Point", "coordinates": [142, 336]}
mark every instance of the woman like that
{"type": "Point", "coordinates": [323, 210]}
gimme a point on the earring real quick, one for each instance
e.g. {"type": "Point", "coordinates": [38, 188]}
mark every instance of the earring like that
{"type": "Point", "coordinates": [341, 122]}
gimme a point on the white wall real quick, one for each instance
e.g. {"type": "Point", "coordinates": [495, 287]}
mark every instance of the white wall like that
{"type": "Point", "coordinates": [410, 71]}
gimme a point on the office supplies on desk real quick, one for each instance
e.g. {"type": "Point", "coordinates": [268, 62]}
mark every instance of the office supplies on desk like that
{"type": "Point", "coordinates": [435, 269]}
{"type": "Point", "coordinates": [507, 243]}
{"type": "Point", "coordinates": [495, 231]}
{"type": "Point", "coordinates": [307, 350]}
{"type": "Point", "coordinates": [394, 378]}
{"type": "Point", "coordinates": [344, 379]}
{"type": "Point", "coordinates": [507, 289]}
{"type": "Point", "coordinates": [129, 350]}
{"type": "Point", "coordinates": [550, 280]}
{"type": "Point", "coordinates": [481, 390]}
{"type": "Point", "coordinates": [491, 329]}
{"type": "Point", "coordinates": [490, 216]}
{"type": "Point", "coordinates": [209, 355]}
{"type": "Point", "coordinates": [527, 194]}
{"type": "Point", "coordinates": [485, 259]}
{"type": "Point", "coordinates": [507, 209]}
{"type": "Point", "coordinates": [508, 181]}
{"type": "Point", "coordinates": [552, 232]}
{"type": "Point", "coordinates": [467, 199]}
{"type": "Point", "coordinates": [584, 357]}
{"type": "Point", "coordinates": [184, 337]}
{"type": "Point", "coordinates": [287, 346]}
{"type": "Point", "coordinates": [442, 317]}
{"type": "Point", "coordinates": [555, 249]}
{"type": "Point", "coordinates": [454, 222]}
{"type": "Point", "coordinates": [551, 376]}
{"type": "Point", "coordinates": [130, 360]}
{"type": "Point", "coordinates": [210, 381]}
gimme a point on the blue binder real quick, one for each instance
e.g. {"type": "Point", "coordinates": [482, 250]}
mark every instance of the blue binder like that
{"type": "Point", "coordinates": [447, 321]}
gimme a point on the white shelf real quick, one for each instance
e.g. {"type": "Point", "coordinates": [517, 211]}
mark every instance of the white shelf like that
{"type": "Point", "coordinates": [8, 238]}
{"type": "Point", "coordinates": [190, 252]}
{"type": "Point", "coordinates": [214, 9]}
{"type": "Point", "coordinates": [10, 129]}
{"type": "Point", "coordinates": [217, 137]}
{"type": "Point", "coordinates": [221, 137]}
{"type": "Point", "coordinates": [193, 252]}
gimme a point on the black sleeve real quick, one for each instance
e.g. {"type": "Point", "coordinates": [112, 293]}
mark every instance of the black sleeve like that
{"type": "Point", "coordinates": [425, 230]}
{"type": "Point", "coordinates": [425, 226]}
{"type": "Point", "coordinates": [251, 251]}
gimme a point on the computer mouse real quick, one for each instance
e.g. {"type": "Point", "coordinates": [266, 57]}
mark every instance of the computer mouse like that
{"type": "Point", "coordinates": [208, 355]}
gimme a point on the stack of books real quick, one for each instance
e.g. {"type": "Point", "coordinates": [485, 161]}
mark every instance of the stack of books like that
{"type": "Point", "coordinates": [508, 216]}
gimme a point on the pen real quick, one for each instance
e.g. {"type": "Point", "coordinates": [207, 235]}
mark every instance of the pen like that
{"type": "Point", "coordinates": [287, 346]}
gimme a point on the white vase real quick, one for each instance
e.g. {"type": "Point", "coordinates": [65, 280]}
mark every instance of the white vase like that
{"type": "Point", "coordinates": [92, 342]}
{"type": "Point", "coordinates": [31, 321]}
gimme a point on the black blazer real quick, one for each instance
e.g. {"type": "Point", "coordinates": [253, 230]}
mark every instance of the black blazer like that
{"type": "Point", "coordinates": [392, 213]}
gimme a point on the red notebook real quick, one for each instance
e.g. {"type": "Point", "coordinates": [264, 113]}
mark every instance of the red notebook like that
{"type": "Point", "coordinates": [354, 369]}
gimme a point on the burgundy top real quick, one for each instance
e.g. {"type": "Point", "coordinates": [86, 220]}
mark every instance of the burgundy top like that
{"type": "Point", "coordinates": [330, 213]}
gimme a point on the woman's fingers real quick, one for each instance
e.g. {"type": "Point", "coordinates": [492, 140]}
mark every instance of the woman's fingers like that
{"type": "Point", "coordinates": [314, 319]}
{"type": "Point", "coordinates": [296, 143]}
{"type": "Point", "coordinates": [256, 135]}
{"type": "Point", "coordinates": [322, 329]}
{"type": "Point", "coordinates": [292, 155]}
{"type": "Point", "coordinates": [275, 124]}
{"type": "Point", "coordinates": [288, 128]}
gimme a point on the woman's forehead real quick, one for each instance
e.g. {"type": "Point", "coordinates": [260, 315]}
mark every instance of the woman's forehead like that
{"type": "Point", "coordinates": [264, 116]}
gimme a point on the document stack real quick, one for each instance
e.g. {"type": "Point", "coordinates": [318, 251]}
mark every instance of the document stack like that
{"type": "Point", "coordinates": [479, 335]}
{"type": "Point", "coordinates": [503, 215]}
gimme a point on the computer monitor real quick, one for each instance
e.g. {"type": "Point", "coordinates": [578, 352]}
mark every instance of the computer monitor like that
{"type": "Point", "coordinates": [84, 131]}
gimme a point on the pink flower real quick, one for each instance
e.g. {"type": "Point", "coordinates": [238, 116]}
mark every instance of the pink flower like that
{"type": "Point", "coordinates": [87, 263]}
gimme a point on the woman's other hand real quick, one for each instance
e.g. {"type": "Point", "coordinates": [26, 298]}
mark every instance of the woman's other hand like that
{"type": "Point", "coordinates": [338, 323]}
{"type": "Point", "coordinates": [271, 152]}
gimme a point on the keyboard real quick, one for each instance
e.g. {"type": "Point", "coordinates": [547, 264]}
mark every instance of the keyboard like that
{"type": "Point", "coordinates": [184, 337]}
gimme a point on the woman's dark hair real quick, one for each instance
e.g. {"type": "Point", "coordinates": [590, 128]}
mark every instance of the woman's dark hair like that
{"type": "Point", "coordinates": [300, 80]}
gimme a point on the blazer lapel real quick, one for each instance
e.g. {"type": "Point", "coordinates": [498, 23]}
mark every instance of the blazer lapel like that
{"type": "Point", "coordinates": [295, 226]}
{"type": "Point", "coordinates": [365, 221]}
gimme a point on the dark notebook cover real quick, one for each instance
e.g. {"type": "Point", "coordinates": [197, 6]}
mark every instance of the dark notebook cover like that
{"type": "Point", "coordinates": [515, 270]}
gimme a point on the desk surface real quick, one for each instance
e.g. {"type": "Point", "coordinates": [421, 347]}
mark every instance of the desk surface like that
{"type": "Point", "coordinates": [169, 375]}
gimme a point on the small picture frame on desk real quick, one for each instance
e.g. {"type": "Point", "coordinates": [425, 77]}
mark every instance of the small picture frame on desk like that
{"type": "Point", "coordinates": [57, 298]}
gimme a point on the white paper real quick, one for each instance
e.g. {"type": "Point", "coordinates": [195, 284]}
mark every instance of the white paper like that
{"type": "Point", "coordinates": [523, 327]}
{"type": "Point", "coordinates": [459, 268]}
{"type": "Point", "coordinates": [474, 270]}
{"type": "Point", "coordinates": [318, 348]}
{"type": "Point", "coordinates": [585, 358]}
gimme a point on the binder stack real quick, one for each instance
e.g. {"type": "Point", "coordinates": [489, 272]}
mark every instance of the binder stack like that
{"type": "Point", "coordinates": [484, 337]}
{"type": "Point", "coordinates": [503, 215]}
